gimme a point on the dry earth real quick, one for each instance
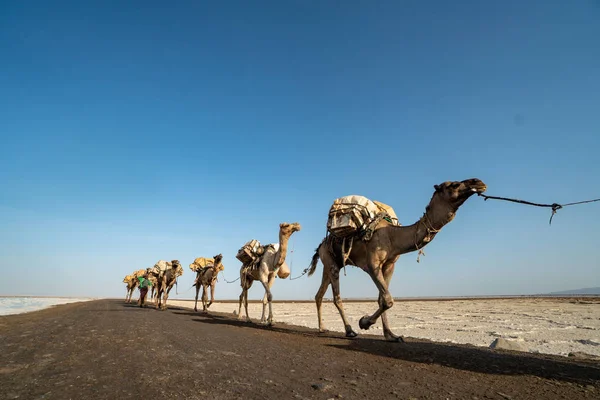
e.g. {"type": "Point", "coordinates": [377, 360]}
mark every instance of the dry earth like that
{"type": "Point", "coordinates": [107, 349]}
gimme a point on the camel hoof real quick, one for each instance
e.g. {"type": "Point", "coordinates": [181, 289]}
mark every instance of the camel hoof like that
{"type": "Point", "coordinates": [323, 330]}
{"type": "Point", "coordinates": [390, 337]}
{"type": "Point", "coordinates": [351, 334]}
{"type": "Point", "coordinates": [365, 323]}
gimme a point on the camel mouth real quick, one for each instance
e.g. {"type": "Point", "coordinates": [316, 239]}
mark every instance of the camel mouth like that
{"type": "Point", "coordinates": [475, 186]}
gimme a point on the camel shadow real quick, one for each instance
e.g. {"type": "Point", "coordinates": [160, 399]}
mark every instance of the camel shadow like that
{"type": "Point", "coordinates": [153, 307]}
{"type": "Point", "coordinates": [457, 356]}
{"type": "Point", "coordinates": [482, 360]}
{"type": "Point", "coordinates": [280, 327]}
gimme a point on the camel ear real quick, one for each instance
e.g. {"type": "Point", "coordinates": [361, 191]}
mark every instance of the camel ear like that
{"type": "Point", "coordinates": [436, 187]}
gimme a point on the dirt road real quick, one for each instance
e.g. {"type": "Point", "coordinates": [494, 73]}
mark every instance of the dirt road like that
{"type": "Point", "coordinates": [110, 350]}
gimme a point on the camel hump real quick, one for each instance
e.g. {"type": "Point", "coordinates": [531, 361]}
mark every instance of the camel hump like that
{"type": "Point", "coordinates": [350, 215]}
{"type": "Point", "coordinates": [201, 262]}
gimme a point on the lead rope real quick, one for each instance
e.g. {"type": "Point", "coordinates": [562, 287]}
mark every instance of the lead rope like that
{"type": "Point", "coordinates": [292, 256]}
{"type": "Point", "coordinates": [554, 206]}
{"type": "Point", "coordinates": [292, 263]}
{"type": "Point", "coordinates": [430, 229]}
{"type": "Point", "coordinates": [225, 279]}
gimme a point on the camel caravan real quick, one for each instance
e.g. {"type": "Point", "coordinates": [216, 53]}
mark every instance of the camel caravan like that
{"type": "Point", "coordinates": [360, 232]}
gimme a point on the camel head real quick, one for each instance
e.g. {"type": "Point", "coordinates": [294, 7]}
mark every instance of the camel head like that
{"type": "Point", "coordinates": [287, 229]}
{"type": "Point", "coordinates": [218, 265]}
{"type": "Point", "coordinates": [176, 265]}
{"type": "Point", "coordinates": [454, 194]}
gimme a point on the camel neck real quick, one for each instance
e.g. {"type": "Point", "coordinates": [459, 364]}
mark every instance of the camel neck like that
{"type": "Point", "coordinates": [282, 252]}
{"type": "Point", "coordinates": [418, 235]}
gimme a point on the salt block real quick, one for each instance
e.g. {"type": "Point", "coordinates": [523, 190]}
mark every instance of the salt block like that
{"type": "Point", "coordinates": [505, 344]}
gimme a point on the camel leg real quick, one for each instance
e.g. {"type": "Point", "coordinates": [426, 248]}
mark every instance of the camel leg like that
{"type": "Point", "coordinates": [325, 281]}
{"type": "Point", "coordinates": [197, 291]}
{"type": "Point", "coordinates": [164, 305]}
{"type": "Point", "coordinates": [246, 284]}
{"type": "Point", "coordinates": [265, 301]}
{"type": "Point", "coordinates": [243, 285]}
{"type": "Point", "coordinates": [160, 293]}
{"type": "Point", "coordinates": [212, 294]}
{"type": "Point", "coordinates": [246, 303]}
{"type": "Point", "coordinates": [241, 301]}
{"type": "Point", "coordinates": [388, 271]}
{"type": "Point", "coordinates": [385, 298]}
{"type": "Point", "coordinates": [337, 300]}
{"type": "Point", "coordinates": [204, 298]}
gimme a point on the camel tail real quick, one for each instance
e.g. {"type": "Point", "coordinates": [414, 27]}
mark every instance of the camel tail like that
{"type": "Point", "coordinates": [315, 259]}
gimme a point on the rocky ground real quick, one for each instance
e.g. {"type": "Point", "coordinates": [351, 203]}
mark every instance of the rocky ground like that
{"type": "Point", "coordinates": [106, 349]}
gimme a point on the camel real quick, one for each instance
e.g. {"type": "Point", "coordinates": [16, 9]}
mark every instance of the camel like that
{"type": "Point", "coordinates": [153, 280]}
{"type": "Point", "coordinates": [132, 283]}
{"type": "Point", "coordinates": [206, 277]}
{"type": "Point", "coordinates": [378, 256]}
{"type": "Point", "coordinates": [271, 265]}
{"type": "Point", "coordinates": [165, 281]}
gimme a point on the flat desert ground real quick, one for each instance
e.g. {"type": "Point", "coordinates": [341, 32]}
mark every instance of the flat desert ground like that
{"type": "Point", "coordinates": [546, 325]}
{"type": "Point", "coordinates": [106, 349]}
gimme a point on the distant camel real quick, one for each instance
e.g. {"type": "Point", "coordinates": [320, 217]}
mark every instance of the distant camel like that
{"type": "Point", "coordinates": [166, 279]}
{"type": "Point", "coordinates": [205, 277]}
{"type": "Point", "coordinates": [132, 283]}
{"type": "Point", "coordinates": [271, 265]}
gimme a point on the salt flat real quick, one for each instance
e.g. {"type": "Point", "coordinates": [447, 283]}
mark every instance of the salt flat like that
{"type": "Point", "coordinates": [552, 326]}
{"type": "Point", "coordinates": [18, 305]}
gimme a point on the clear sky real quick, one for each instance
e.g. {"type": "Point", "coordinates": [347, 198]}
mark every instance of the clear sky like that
{"type": "Point", "coordinates": [145, 130]}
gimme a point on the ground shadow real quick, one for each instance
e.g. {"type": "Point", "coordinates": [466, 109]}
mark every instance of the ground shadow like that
{"type": "Point", "coordinates": [220, 319]}
{"type": "Point", "coordinates": [463, 357]}
{"type": "Point", "coordinates": [153, 307]}
{"type": "Point", "coordinates": [482, 360]}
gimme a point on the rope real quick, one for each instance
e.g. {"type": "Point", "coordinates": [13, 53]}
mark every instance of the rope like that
{"type": "Point", "coordinates": [554, 206]}
{"type": "Point", "coordinates": [225, 279]}
{"type": "Point", "coordinates": [292, 257]}
{"type": "Point", "coordinates": [430, 229]}
{"type": "Point", "coordinates": [185, 291]}
{"type": "Point", "coordinates": [301, 275]}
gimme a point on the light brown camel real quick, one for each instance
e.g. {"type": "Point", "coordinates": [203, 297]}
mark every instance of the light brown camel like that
{"type": "Point", "coordinates": [271, 265]}
{"type": "Point", "coordinates": [132, 283]}
{"type": "Point", "coordinates": [153, 281]}
{"type": "Point", "coordinates": [166, 280]}
{"type": "Point", "coordinates": [153, 278]}
{"type": "Point", "coordinates": [378, 256]}
{"type": "Point", "coordinates": [206, 277]}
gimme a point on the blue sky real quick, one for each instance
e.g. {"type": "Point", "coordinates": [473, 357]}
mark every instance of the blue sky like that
{"type": "Point", "coordinates": [139, 131]}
